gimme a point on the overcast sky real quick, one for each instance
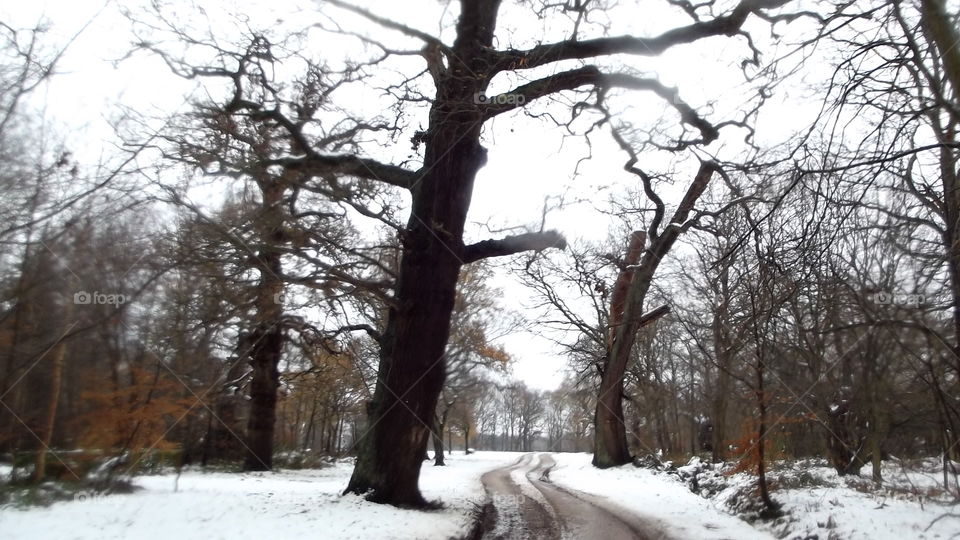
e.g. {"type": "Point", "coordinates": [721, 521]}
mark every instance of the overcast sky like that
{"type": "Point", "coordinates": [529, 159]}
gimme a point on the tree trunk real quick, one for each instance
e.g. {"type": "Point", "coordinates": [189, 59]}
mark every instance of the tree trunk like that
{"type": "Point", "coordinates": [412, 364]}
{"type": "Point", "coordinates": [937, 23]}
{"type": "Point", "coordinates": [627, 317]}
{"type": "Point", "coordinates": [266, 341]}
{"type": "Point", "coordinates": [308, 435]}
{"type": "Point", "coordinates": [224, 429]}
{"type": "Point", "coordinates": [843, 442]}
{"type": "Point", "coordinates": [722, 354]}
{"type": "Point", "coordinates": [772, 509]}
{"type": "Point", "coordinates": [56, 378]}
{"type": "Point", "coordinates": [264, 382]}
{"type": "Point", "coordinates": [21, 310]}
{"type": "Point", "coordinates": [610, 437]}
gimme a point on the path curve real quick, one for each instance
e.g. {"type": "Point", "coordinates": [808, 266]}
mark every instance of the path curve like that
{"type": "Point", "coordinates": [524, 503]}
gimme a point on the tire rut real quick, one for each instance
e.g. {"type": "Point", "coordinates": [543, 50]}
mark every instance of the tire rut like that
{"type": "Point", "coordinates": [522, 502]}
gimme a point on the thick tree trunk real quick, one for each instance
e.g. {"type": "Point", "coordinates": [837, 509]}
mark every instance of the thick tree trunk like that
{"type": "Point", "coordinates": [843, 445]}
{"type": "Point", "coordinates": [941, 30]}
{"type": "Point", "coordinates": [22, 315]}
{"type": "Point", "coordinates": [627, 317]}
{"type": "Point", "coordinates": [264, 382]}
{"type": "Point", "coordinates": [610, 440]}
{"type": "Point", "coordinates": [718, 433]}
{"type": "Point", "coordinates": [266, 340]}
{"type": "Point", "coordinates": [610, 437]}
{"type": "Point", "coordinates": [951, 239]}
{"type": "Point", "coordinates": [412, 363]}
{"type": "Point", "coordinates": [843, 441]}
{"type": "Point", "coordinates": [224, 429]}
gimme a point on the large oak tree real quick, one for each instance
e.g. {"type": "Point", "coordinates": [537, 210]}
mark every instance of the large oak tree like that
{"type": "Point", "coordinates": [454, 86]}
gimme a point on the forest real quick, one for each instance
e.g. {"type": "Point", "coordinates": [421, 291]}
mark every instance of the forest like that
{"type": "Point", "coordinates": [349, 235]}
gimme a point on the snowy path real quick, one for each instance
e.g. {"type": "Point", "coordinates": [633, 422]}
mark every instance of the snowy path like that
{"type": "Point", "coordinates": [527, 505]}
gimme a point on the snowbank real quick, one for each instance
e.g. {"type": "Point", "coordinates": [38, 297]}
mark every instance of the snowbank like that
{"type": "Point", "coordinates": [907, 505]}
{"type": "Point", "coordinates": [699, 501]}
{"type": "Point", "coordinates": [653, 496]}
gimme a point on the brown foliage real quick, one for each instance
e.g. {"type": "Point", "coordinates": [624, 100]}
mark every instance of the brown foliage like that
{"type": "Point", "coordinates": [134, 417]}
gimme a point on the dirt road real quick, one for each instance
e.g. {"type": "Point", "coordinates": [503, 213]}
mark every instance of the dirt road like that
{"type": "Point", "coordinates": [525, 504]}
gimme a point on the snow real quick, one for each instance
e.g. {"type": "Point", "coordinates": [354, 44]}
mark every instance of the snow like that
{"type": "Point", "coordinates": [906, 506]}
{"type": "Point", "coordinates": [285, 504]}
{"type": "Point", "coordinates": [307, 503]}
{"type": "Point", "coordinates": [817, 502]}
{"type": "Point", "coordinates": [655, 497]}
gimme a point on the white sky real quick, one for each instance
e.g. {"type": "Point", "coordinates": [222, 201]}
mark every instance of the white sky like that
{"type": "Point", "coordinates": [528, 159]}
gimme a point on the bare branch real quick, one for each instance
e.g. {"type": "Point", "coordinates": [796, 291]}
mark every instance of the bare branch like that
{"type": "Point", "coordinates": [387, 23]}
{"type": "Point", "coordinates": [535, 241]}
{"type": "Point", "coordinates": [725, 25]}
{"type": "Point", "coordinates": [591, 75]}
{"type": "Point", "coordinates": [316, 164]}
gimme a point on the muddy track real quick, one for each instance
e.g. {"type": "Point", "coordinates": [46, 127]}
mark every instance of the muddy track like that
{"type": "Point", "coordinates": [522, 502]}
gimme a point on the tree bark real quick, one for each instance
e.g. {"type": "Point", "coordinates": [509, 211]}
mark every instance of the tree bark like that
{"type": "Point", "coordinates": [610, 438]}
{"type": "Point", "coordinates": [266, 340]}
{"type": "Point", "coordinates": [265, 381]}
{"type": "Point", "coordinates": [412, 364]}
{"type": "Point", "coordinates": [937, 23]}
{"type": "Point", "coordinates": [610, 441]}
{"type": "Point", "coordinates": [224, 430]}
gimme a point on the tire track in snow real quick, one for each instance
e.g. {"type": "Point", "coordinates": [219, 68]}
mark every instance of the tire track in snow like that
{"type": "Point", "coordinates": [525, 504]}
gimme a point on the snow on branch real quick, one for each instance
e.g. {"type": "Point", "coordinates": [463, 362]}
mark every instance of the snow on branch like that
{"type": "Point", "coordinates": [535, 241]}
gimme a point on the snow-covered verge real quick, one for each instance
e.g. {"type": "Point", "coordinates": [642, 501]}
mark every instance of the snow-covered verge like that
{"type": "Point", "coordinates": [653, 496]}
{"type": "Point", "coordinates": [818, 505]}
{"type": "Point", "coordinates": [286, 504]}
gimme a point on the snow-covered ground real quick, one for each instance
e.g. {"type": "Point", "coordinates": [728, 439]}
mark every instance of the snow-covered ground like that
{"type": "Point", "coordinates": [656, 497]}
{"type": "Point", "coordinates": [285, 504]}
{"type": "Point", "coordinates": [307, 503]}
{"type": "Point", "coordinates": [818, 504]}
{"type": "Point", "coordinates": [910, 504]}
